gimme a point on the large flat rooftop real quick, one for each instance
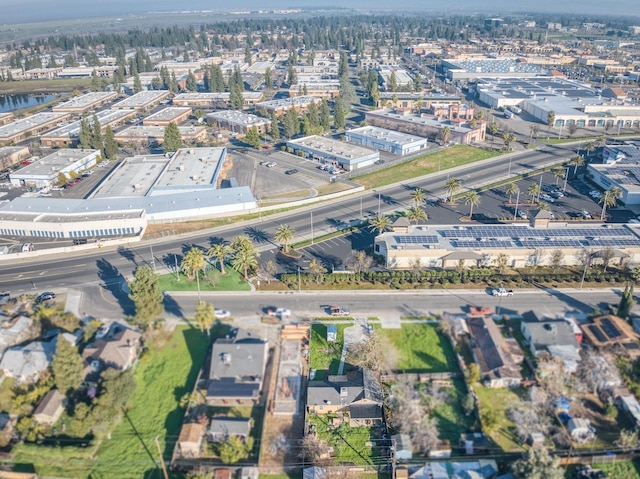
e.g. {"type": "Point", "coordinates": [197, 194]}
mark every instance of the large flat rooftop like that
{"type": "Point", "coordinates": [215, 96]}
{"type": "Point", "coordinates": [53, 163]}
{"type": "Point", "coordinates": [85, 101]}
{"type": "Point", "coordinates": [492, 65]}
{"type": "Point", "coordinates": [302, 100]}
{"type": "Point", "coordinates": [30, 122]}
{"type": "Point", "coordinates": [134, 177]}
{"type": "Point", "coordinates": [105, 117]}
{"type": "Point", "coordinates": [537, 88]}
{"type": "Point", "coordinates": [192, 167]}
{"type": "Point", "coordinates": [425, 120]}
{"type": "Point", "coordinates": [336, 148]}
{"type": "Point", "coordinates": [238, 118]}
{"type": "Point", "coordinates": [141, 132]}
{"type": "Point", "coordinates": [141, 99]}
{"type": "Point", "coordinates": [389, 136]}
{"type": "Point", "coordinates": [168, 114]}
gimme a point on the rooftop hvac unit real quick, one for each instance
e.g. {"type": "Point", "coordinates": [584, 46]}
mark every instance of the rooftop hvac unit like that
{"type": "Point", "coordinates": [180, 167]}
{"type": "Point", "coordinates": [195, 177]}
{"type": "Point", "coordinates": [137, 186]}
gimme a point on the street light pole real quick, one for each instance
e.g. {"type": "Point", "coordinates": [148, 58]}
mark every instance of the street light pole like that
{"type": "Point", "coordinates": [509, 174]}
{"type": "Point", "coordinates": [378, 203]}
{"type": "Point", "coordinates": [515, 212]}
{"type": "Point", "coordinates": [311, 227]}
{"type": "Point", "coordinates": [153, 261]}
{"type": "Point", "coordinates": [566, 177]}
{"type": "Point", "coordinates": [299, 279]}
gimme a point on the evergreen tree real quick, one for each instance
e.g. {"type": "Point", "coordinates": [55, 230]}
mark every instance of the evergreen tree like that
{"type": "Point", "coordinates": [191, 82]}
{"type": "Point", "coordinates": [145, 294]}
{"type": "Point", "coordinates": [66, 367]}
{"type": "Point", "coordinates": [165, 77]}
{"type": "Point", "coordinates": [172, 137]}
{"type": "Point", "coordinates": [84, 137]}
{"type": "Point", "coordinates": [236, 100]}
{"type": "Point", "coordinates": [137, 84]}
{"type": "Point", "coordinates": [96, 134]}
{"type": "Point", "coordinates": [291, 125]}
{"type": "Point", "coordinates": [217, 79]}
{"type": "Point", "coordinates": [325, 115]}
{"type": "Point", "coordinates": [110, 144]}
{"type": "Point", "coordinates": [268, 79]}
{"type": "Point", "coordinates": [626, 301]}
{"type": "Point", "coordinates": [275, 127]}
{"type": "Point", "coordinates": [253, 137]}
{"type": "Point", "coordinates": [538, 464]}
{"type": "Point", "coordinates": [339, 114]}
{"type": "Point", "coordinates": [173, 83]}
{"type": "Point", "coordinates": [96, 82]}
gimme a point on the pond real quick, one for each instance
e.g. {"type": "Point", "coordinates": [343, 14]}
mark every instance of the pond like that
{"type": "Point", "coordinates": [18, 101]}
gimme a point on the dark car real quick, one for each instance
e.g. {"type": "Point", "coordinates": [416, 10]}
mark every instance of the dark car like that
{"type": "Point", "coordinates": [46, 296]}
{"type": "Point", "coordinates": [291, 172]}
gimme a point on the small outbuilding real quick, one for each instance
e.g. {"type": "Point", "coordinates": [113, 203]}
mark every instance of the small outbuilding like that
{"type": "Point", "coordinates": [50, 408]}
{"type": "Point", "coordinates": [403, 447]}
{"type": "Point", "coordinates": [332, 333]}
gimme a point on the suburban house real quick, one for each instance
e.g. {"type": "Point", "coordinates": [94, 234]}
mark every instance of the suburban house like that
{"type": "Point", "coordinates": [26, 362]}
{"type": "Point", "coordinates": [15, 332]}
{"type": "Point", "coordinates": [358, 394]}
{"type": "Point", "coordinates": [237, 368]}
{"type": "Point", "coordinates": [222, 428]}
{"type": "Point", "coordinates": [612, 332]}
{"type": "Point", "coordinates": [554, 337]}
{"type": "Point", "coordinates": [118, 349]}
{"type": "Point", "coordinates": [482, 469]}
{"type": "Point", "coordinates": [190, 440]}
{"type": "Point", "coordinates": [498, 359]}
{"type": "Point", "coordinates": [50, 408]}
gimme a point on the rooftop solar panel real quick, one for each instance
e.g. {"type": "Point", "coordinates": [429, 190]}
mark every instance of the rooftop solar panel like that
{"type": "Point", "coordinates": [610, 329]}
{"type": "Point", "coordinates": [597, 332]}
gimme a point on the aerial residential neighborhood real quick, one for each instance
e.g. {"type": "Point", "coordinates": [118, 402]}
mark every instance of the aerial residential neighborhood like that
{"type": "Point", "coordinates": [320, 242]}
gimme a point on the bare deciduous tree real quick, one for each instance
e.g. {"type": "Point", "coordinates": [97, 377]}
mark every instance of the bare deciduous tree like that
{"type": "Point", "coordinates": [368, 354]}
{"type": "Point", "coordinates": [314, 451]}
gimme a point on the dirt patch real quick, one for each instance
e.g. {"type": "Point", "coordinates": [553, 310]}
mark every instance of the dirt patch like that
{"type": "Point", "coordinates": [281, 437]}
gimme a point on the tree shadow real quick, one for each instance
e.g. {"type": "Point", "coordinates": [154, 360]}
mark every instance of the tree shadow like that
{"type": "Point", "coordinates": [172, 261]}
{"type": "Point", "coordinates": [127, 254]}
{"type": "Point", "coordinates": [112, 281]}
{"type": "Point", "coordinates": [214, 240]}
{"type": "Point", "coordinates": [186, 247]}
{"type": "Point", "coordinates": [257, 235]}
{"type": "Point", "coordinates": [361, 239]}
{"type": "Point", "coordinates": [171, 306]}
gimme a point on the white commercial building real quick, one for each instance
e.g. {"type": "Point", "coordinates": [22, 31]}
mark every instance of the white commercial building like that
{"type": "Point", "coordinates": [386, 140]}
{"type": "Point", "coordinates": [347, 155]}
{"type": "Point", "coordinates": [620, 168]}
{"type": "Point", "coordinates": [45, 172]}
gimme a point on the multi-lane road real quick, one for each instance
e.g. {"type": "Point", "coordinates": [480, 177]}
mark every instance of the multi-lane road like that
{"type": "Point", "coordinates": [110, 265]}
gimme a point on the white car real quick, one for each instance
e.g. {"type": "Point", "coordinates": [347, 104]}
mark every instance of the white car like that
{"type": "Point", "coordinates": [586, 215]}
{"type": "Point", "coordinates": [548, 198]}
{"type": "Point", "coordinates": [502, 292]}
{"type": "Point", "coordinates": [283, 313]}
{"type": "Point", "coordinates": [221, 313]}
{"type": "Point", "coordinates": [103, 331]}
{"type": "Point", "coordinates": [522, 215]}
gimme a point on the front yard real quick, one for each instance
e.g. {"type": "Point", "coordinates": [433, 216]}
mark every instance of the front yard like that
{"type": "Point", "coordinates": [422, 349]}
{"type": "Point", "coordinates": [324, 356]}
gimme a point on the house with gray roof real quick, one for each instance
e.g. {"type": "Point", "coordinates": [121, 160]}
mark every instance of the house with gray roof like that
{"type": "Point", "coordinates": [223, 427]}
{"type": "Point", "coordinates": [358, 394]}
{"type": "Point", "coordinates": [237, 369]}
{"type": "Point", "coordinates": [50, 408]}
{"type": "Point", "coordinates": [26, 362]}
{"type": "Point", "coordinates": [541, 334]}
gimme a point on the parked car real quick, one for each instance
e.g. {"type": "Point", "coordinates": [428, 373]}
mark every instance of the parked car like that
{"type": "Point", "coordinates": [291, 172]}
{"type": "Point", "coordinates": [502, 292]}
{"type": "Point", "coordinates": [547, 198]}
{"type": "Point", "coordinates": [595, 194]}
{"type": "Point", "coordinates": [338, 311]}
{"type": "Point", "coordinates": [102, 331]}
{"type": "Point", "coordinates": [522, 215]}
{"type": "Point", "coordinates": [585, 215]}
{"type": "Point", "coordinates": [26, 247]}
{"type": "Point", "coordinates": [46, 296]}
{"type": "Point", "coordinates": [221, 313]}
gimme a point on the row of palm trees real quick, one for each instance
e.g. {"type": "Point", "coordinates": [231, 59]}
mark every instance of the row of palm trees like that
{"type": "Point", "coordinates": [243, 254]}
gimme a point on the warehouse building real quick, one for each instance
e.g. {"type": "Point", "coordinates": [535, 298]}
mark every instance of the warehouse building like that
{"type": "Point", "coordinates": [346, 155]}
{"type": "Point", "coordinates": [167, 115]}
{"type": "Point", "coordinates": [402, 77]}
{"type": "Point", "coordinates": [142, 101]}
{"type": "Point", "coordinates": [68, 134]}
{"type": "Point", "coordinates": [215, 100]}
{"type": "Point", "coordinates": [89, 101]}
{"type": "Point", "coordinates": [6, 118]}
{"type": "Point", "coordinates": [46, 171]}
{"type": "Point", "coordinates": [279, 107]}
{"type": "Point", "coordinates": [12, 155]}
{"type": "Point", "coordinates": [425, 125]}
{"type": "Point", "coordinates": [523, 245]}
{"type": "Point", "coordinates": [620, 168]}
{"type": "Point", "coordinates": [32, 125]}
{"type": "Point", "coordinates": [155, 134]}
{"type": "Point", "coordinates": [386, 140]}
{"type": "Point", "coordinates": [238, 122]}
{"type": "Point", "coordinates": [321, 88]}
{"type": "Point", "coordinates": [417, 100]}
{"type": "Point", "coordinates": [468, 69]}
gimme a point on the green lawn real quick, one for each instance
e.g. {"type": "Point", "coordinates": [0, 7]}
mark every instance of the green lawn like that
{"type": "Point", "coordinates": [425, 164]}
{"type": "Point", "coordinates": [213, 281]}
{"type": "Point", "coordinates": [162, 377]}
{"type": "Point", "coordinates": [351, 445]}
{"type": "Point", "coordinates": [421, 349]}
{"type": "Point", "coordinates": [324, 357]}
{"type": "Point", "coordinates": [499, 400]}
{"type": "Point", "coordinates": [452, 420]}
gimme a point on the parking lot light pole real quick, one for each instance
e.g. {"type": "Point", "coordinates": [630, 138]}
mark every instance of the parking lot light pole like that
{"type": "Point", "coordinates": [312, 227]}
{"type": "Point", "coordinates": [515, 212]}
{"type": "Point", "coordinates": [566, 177]}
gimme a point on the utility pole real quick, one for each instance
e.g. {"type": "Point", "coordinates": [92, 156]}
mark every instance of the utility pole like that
{"type": "Point", "coordinates": [311, 227]}
{"type": "Point", "coordinates": [515, 212]}
{"type": "Point", "coordinates": [153, 261]}
{"type": "Point", "coordinates": [164, 467]}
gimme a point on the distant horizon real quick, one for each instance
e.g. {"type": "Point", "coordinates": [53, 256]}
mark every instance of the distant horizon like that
{"type": "Point", "coordinates": [35, 11]}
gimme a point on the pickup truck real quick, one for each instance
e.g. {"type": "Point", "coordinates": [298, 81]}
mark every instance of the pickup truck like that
{"type": "Point", "coordinates": [502, 292]}
{"type": "Point", "coordinates": [338, 311]}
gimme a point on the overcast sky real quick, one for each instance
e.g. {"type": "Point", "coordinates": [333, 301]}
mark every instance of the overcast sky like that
{"type": "Point", "coordinates": [17, 11]}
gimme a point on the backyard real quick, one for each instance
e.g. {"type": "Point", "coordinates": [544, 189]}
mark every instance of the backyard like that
{"type": "Point", "coordinates": [163, 377]}
{"type": "Point", "coordinates": [493, 405]}
{"type": "Point", "coordinates": [421, 348]}
{"type": "Point", "coordinates": [324, 356]}
{"type": "Point", "coordinates": [452, 421]}
{"type": "Point", "coordinates": [255, 413]}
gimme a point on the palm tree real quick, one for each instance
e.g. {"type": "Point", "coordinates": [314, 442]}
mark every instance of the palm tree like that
{"type": "Point", "coordinates": [472, 198]}
{"type": "Point", "coordinates": [444, 134]}
{"type": "Point", "coordinates": [451, 186]}
{"type": "Point", "coordinates": [284, 234]}
{"type": "Point", "coordinates": [533, 130]}
{"type": "Point", "coordinates": [415, 213]}
{"type": "Point", "coordinates": [608, 199]}
{"type": "Point", "coordinates": [192, 263]}
{"type": "Point", "coordinates": [242, 242]}
{"type": "Point", "coordinates": [380, 223]}
{"type": "Point", "coordinates": [559, 173]}
{"type": "Point", "coordinates": [508, 138]}
{"type": "Point", "coordinates": [245, 260]}
{"type": "Point", "coordinates": [493, 129]}
{"type": "Point", "coordinates": [417, 196]}
{"type": "Point", "coordinates": [220, 251]}
{"type": "Point", "coordinates": [533, 191]}
{"type": "Point", "coordinates": [577, 161]}
{"type": "Point", "coordinates": [590, 147]}
{"type": "Point", "coordinates": [543, 205]}
{"type": "Point", "coordinates": [512, 189]}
